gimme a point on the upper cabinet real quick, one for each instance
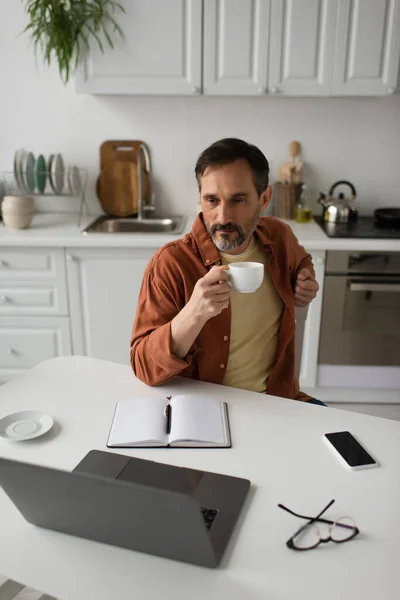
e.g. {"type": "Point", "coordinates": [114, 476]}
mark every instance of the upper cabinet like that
{"type": "Point", "coordinates": [367, 47]}
{"type": "Point", "coordinates": [236, 43]}
{"type": "Point", "coordinates": [251, 47]}
{"type": "Point", "coordinates": [160, 52]}
{"type": "Point", "coordinates": [302, 47]}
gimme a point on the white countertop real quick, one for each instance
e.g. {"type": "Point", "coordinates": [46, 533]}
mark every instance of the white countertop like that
{"type": "Point", "coordinates": [277, 444]}
{"type": "Point", "coordinates": [61, 230]}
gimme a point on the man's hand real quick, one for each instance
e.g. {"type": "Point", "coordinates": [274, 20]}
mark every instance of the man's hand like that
{"type": "Point", "coordinates": [209, 298]}
{"type": "Point", "coordinates": [211, 294]}
{"type": "Point", "coordinates": [306, 288]}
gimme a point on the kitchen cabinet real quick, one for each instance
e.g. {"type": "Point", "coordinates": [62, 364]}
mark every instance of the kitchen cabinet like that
{"type": "Point", "coordinates": [159, 54]}
{"type": "Point", "coordinates": [34, 323]}
{"type": "Point", "coordinates": [236, 40]}
{"type": "Point", "coordinates": [26, 341]}
{"type": "Point", "coordinates": [302, 47]}
{"type": "Point", "coordinates": [250, 47]}
{"type": "Point", "coordinates": [103, 287]}
{"type": "Point", "coordinates": [367, 47]}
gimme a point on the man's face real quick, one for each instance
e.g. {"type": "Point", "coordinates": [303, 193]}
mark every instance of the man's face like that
{"type": "Point", "coordinates": [231, 206]}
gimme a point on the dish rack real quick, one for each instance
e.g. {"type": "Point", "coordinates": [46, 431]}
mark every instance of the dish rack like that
{"type": "Point", "coordinates": [10, 187]}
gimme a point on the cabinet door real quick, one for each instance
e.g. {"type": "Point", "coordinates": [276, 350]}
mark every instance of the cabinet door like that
{"type": "Point", "coordinates": [27, 341]}
{"type": "Point", "coordinates": [236, 38]}
{"type": "Point", "coordinates": [159, 54]}
{"type": "Point", "coordinates": [302, 45]}
{"type": "Point", "coordinates": [309, 357]}
{"type": "Point", "coordinates": [103, 287]}
{"type": "Point", "coordinates": [367, 47]}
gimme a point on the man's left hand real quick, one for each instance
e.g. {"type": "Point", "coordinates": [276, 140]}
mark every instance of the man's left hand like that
{"type": "Point", "coordinates": [306, 288]}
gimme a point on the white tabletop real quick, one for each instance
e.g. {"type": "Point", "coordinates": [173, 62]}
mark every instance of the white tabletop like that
{"type": "Point", "coordinates": [277, 444]}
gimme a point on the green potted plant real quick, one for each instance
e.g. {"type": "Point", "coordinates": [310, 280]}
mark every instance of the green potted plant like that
{"type": "Point", "coordinates": [64, 30]}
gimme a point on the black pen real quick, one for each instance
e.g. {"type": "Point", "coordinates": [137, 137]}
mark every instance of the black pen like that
{"type": "Point", "coordinates": [168, 414]}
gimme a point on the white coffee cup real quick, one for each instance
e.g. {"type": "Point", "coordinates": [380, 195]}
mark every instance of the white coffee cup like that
{"type": "Point", "coordinates": [246, 277]}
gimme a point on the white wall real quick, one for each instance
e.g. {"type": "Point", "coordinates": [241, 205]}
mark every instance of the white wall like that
{"type": "Point", "coordinates": [342, 138]}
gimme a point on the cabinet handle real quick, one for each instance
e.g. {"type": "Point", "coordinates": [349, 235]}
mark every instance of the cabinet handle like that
{"type": "Point", "coordinates": [195, 89]}
{"type": "Point", "coordinates": [3, 264]}
{"type": "Point", "coordinates": [5, 299]}
{"type": "Point", "coordinates": [262, 90]}
{"type": "Point", "coordinates": [12, 352]}
{"type": "Point", "coordinates": [70, 258]}
{"type": "Point", "coordinates": [274, 90]}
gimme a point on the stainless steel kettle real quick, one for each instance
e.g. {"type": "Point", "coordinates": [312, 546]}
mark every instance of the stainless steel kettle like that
{"type": "Point", "coordinates": [339, 209]}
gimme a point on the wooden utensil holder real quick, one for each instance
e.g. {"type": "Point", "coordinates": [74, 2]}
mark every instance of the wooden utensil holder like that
{"type": "Point", "coordinates": [287, 196]}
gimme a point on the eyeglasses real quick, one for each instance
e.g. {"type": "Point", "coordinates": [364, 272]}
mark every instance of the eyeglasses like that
{"type": "Point", "coordinates": [309, 536]}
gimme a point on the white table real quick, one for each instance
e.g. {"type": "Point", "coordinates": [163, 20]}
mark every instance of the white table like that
{"type": "Point", "coordinates": [277, 444]}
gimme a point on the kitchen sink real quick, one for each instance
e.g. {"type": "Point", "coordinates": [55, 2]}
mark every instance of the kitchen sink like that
{"type": "Point", "coordinates": [108, 224]}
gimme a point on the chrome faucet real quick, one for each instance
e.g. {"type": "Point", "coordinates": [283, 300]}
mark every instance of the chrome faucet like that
{"type": "Point", "coordinates": [143, 151]}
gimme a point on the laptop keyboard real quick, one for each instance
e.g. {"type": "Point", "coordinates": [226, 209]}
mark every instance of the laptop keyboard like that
{"type": "Point", "coordinates": [209, 515]}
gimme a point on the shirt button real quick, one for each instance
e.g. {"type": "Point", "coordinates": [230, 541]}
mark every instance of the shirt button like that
{"type": "Point", "coordinates": [222, 366]}
{"type": "Point", "coordinates": [225, 338]}
{"type": "Point", "coordinates": [218, 262]}
{"type": "Point", "coordinates": [207, 260]}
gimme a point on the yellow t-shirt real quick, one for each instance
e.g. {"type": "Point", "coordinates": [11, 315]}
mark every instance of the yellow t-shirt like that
{"type": "Point", "coordinates": [255, 324]}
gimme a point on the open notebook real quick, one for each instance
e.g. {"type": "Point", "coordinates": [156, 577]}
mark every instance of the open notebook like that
{"type": "Point", "coordinates": [185, 421]}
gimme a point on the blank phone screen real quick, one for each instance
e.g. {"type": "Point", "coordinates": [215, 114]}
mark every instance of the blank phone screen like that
{"type": "Point", "coordinates": [351, 450]}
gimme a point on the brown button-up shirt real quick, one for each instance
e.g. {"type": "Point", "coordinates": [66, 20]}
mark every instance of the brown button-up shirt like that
{"type": "Point", "coordinates": [167, 286]}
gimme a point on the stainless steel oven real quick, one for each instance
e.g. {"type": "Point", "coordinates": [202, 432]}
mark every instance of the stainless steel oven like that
{"type": "Point", "coordinates": [361, 309]}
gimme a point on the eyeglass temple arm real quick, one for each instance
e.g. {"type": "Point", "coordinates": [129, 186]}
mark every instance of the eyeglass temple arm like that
{"type": "Point", "coordinates": [317, 518]}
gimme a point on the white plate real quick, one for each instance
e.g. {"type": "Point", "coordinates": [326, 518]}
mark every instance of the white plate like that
{"type": "Point", "coordinates": [25, 425]}
{"type": "Point", "coordinates": [49, 165]}
{"type": "Point", "coordinates": [57, 173]}
{"type": "Point", "coordinates": [18, 159]}
{"type": "Point", "coordinates": [74, 180]}
{"type": "Point", "coordinates": [27, 172]}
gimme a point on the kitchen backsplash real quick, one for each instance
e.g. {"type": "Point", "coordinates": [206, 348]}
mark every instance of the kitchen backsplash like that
{"type": "Point", "coordinates": [342, 138]}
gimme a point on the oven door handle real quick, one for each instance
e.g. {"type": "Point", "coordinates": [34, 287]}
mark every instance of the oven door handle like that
{"type": "Point", "coordinates": [375, 287]}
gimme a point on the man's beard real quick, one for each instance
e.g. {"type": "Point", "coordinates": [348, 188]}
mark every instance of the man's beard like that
{"type": "Point", "coordinates": [223, 243]}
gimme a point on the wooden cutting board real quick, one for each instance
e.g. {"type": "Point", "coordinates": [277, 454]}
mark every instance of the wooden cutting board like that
{"type": "Point", "coordinates": [125, 150]}
{"type": "Point", "coordinates": [117, 185]}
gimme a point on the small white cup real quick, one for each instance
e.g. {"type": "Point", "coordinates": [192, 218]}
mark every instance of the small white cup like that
{"type": "Point", "coordinates": [246, 277]}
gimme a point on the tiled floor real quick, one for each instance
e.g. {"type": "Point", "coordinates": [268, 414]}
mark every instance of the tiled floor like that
{"type": "Point", "coordinates": [378, 403]}
{"type": "Point", "coordinates": [25, 594]}
{"type": "Point", "coordinates": [386, 411]}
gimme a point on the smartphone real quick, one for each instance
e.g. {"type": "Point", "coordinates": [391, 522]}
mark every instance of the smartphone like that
{"type": "Point", "coordinates": [350, 450]}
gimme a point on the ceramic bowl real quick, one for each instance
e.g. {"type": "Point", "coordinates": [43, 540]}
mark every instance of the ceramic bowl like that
{"type": "Point", "coordinates": [17, 203]}
{"type": "Point", "coordinates": [17, 221]}
{"type": "Point", "coordinates": [16, 210]}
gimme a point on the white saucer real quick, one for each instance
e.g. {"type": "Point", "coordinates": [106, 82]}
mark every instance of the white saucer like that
{"type": "Point", "coordinates": [25, 425]}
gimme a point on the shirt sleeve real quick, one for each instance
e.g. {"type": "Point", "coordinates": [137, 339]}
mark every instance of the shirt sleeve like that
{"type": "Point", "coordinates": [151, 357]}
{"type": "Point", "coordinates": [302, 259]}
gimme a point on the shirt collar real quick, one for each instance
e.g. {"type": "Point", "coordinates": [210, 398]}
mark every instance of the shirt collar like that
{"type": "Point", "coordinates": [208, 250]}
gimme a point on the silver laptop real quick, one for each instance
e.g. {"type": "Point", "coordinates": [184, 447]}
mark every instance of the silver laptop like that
{"type": "Point", "coordinates": [175, 512]}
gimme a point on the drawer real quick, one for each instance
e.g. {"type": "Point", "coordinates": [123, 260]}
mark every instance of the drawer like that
{"type": "Point", "coordinates": [24, 264]}
{"type": "Point", "coordinates": [24, 342]}
{"type": "Point", "coordinates": [33, 300]}
{"type": "Point", "coordinates": [33, 281]}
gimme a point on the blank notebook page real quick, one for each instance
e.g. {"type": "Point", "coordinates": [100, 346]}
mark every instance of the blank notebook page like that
{"type": "Point", "coordinates": [197, 418]}
{"type": "Point", "coordinates": [139, 420]}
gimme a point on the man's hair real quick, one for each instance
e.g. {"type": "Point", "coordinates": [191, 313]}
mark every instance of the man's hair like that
{"type": "Point", "coordinates": [228, 150]}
